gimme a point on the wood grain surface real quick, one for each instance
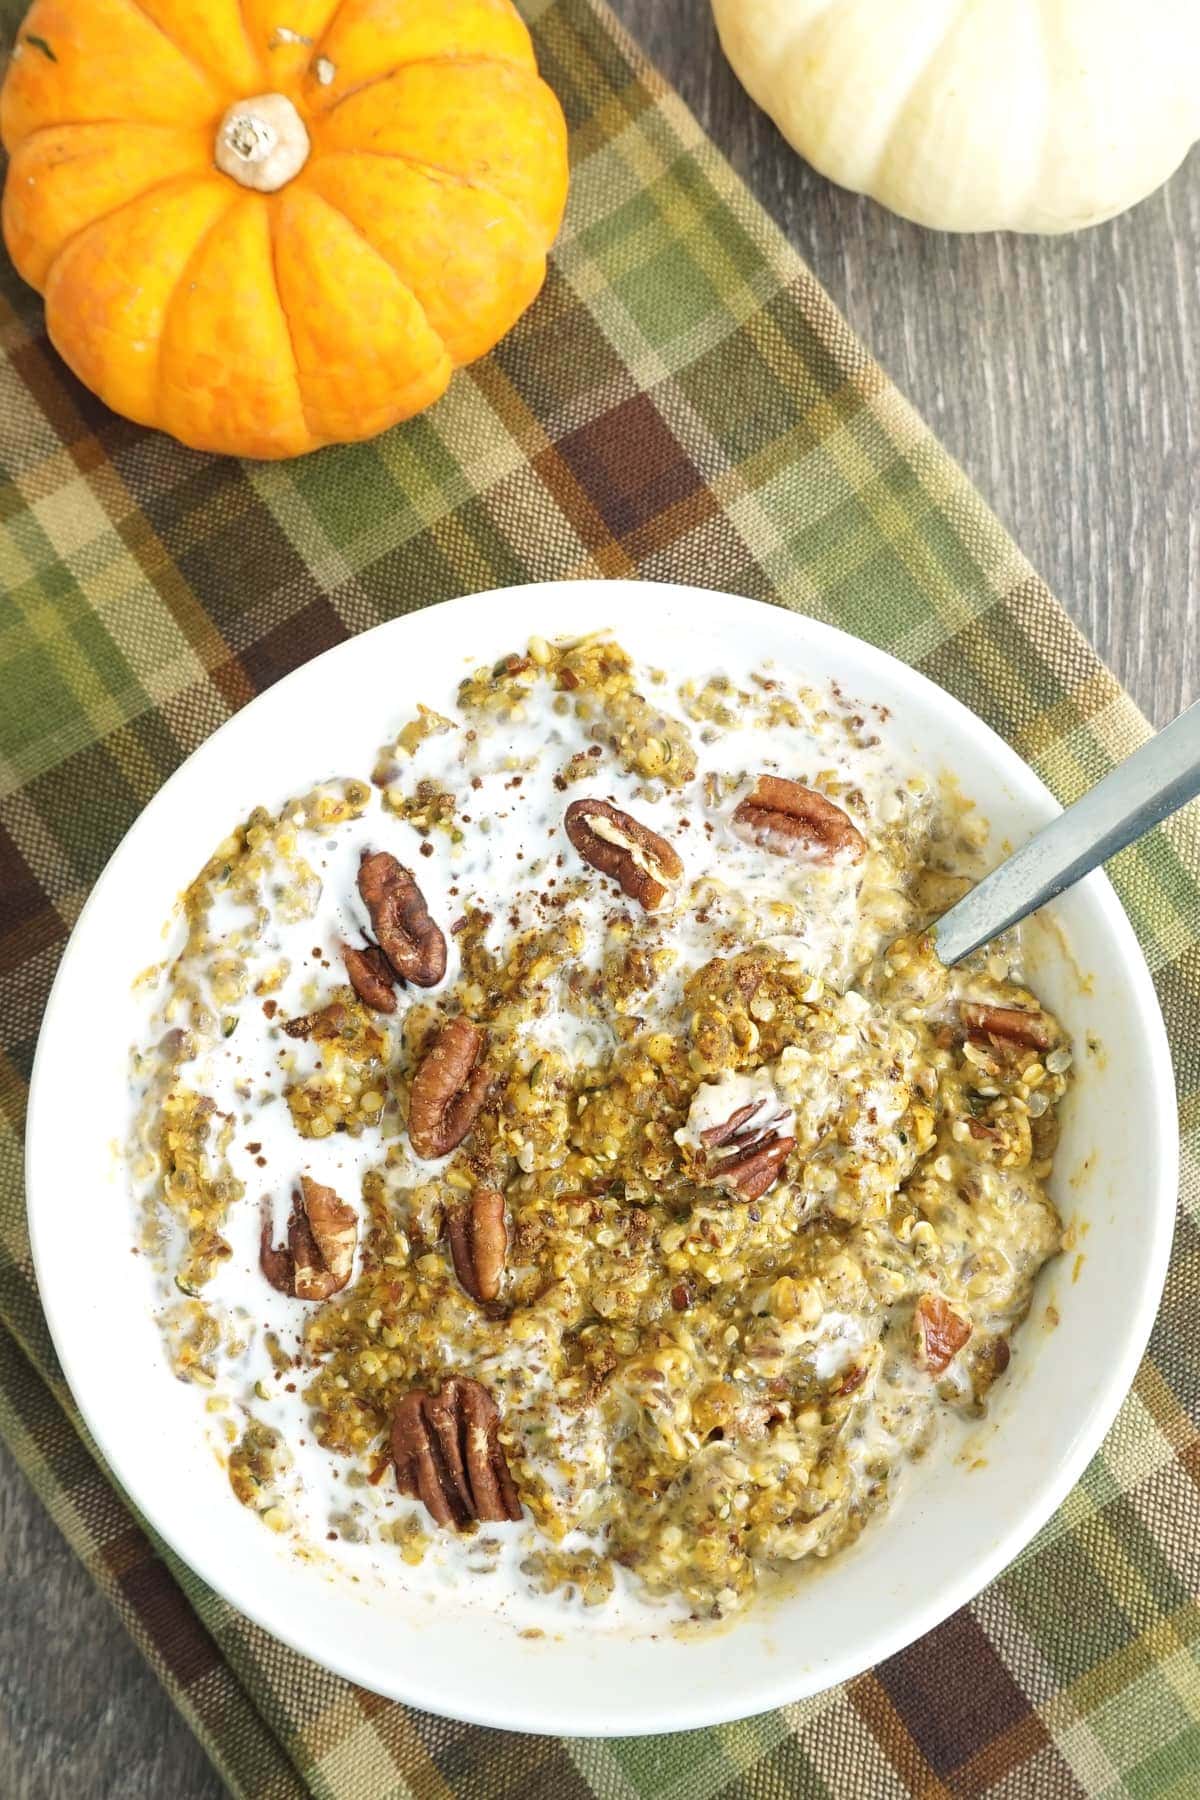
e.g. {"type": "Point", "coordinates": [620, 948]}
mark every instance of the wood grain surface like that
{"type": "Point", "coordinates": [1064, 374]}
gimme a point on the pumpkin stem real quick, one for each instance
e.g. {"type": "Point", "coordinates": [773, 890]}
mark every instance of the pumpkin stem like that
{"type": "Point", "coordinates": [262, 142]}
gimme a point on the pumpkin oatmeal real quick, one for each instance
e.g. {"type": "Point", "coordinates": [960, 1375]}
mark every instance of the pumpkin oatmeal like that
{"type": "Point", "coordinates": [563, 1153]}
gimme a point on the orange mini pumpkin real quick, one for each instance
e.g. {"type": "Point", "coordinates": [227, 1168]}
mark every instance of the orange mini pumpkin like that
{"type": "Point", "coordinates": [270, 225]}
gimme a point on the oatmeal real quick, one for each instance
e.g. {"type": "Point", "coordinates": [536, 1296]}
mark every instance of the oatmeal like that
{"type": "Point", "coordinates": [563, 1151]}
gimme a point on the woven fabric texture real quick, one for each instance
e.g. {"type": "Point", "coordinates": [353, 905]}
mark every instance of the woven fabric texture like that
{"type": "Point", "coordinates": [682, 403]}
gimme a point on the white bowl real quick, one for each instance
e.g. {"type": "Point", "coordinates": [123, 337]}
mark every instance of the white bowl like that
{"type": "Point", "coordinates": [956, 1526]}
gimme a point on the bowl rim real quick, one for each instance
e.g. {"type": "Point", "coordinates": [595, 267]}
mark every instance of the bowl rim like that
{"type": "Point", "coordinates": [1045, 1496]}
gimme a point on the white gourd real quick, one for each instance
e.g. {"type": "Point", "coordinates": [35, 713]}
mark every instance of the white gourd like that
{"type": "Point", "coordinates": [978, 115]}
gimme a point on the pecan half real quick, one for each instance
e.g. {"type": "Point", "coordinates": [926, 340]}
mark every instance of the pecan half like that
{"type": "Point", "coordinates": [478, 1242]}
{"type": "Point", "coordinates": [752, 1152]}
{"type": "Point", "coordinates": [641, 863]}
{"type": "Point", "coordinates": [323, 1024]}
{"type": "Point", "coordinates": [790, 820]}
{"type": "Point", "coordinates": [447, 1454]}
{"type": "Point", "coordinates": [1008, 1023]}
{"type": "Point", "coordinates": [448, 1089]}
{"type": "Point", "coordinates": [322, 1232]}
{"type": "Point", "coordinates": [408, 937]}
{"type": "Point", "coordinates": [941, 1333]}
{"type": "Point", "coordinates": [371, 976]}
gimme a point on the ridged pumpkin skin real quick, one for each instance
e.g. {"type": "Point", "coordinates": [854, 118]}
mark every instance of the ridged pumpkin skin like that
{"type": "Point", "coordinates": [267, 324]}
{"type": "Point", "coordinates": [978, 115]}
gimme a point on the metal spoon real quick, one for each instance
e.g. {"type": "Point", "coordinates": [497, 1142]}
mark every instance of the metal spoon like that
{"type": "Point", "coordinates": [1148, 786]}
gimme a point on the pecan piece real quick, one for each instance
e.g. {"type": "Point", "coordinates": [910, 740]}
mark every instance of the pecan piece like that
{"type": "Point", "coordinates": [641, 863]}
{"type": "Point", "coordinates": [990, 1360]}
{"type": "Point", "coordinates": [408, 937]}
{"type": "Point", "coordinates": [447, 1454]}
{"type": "Point", "coordinates": [322, 1232]}
{"type": "Point", "coordinates": [752, 1150]}
{"type": "Point", "coordinates": [448, 1089]}
{"type": "Point", "coordinates": [717, 1135]}
{"type": "Point", "coordinates": [1010, 1024]}
{"type": "Point", "coordinates": [371, 976]}
{"type": "Point", "coordinates": [478, 1242]}
{"type": "Point", "coordinates": [326, 1023]}
{"type": "Point", "coordinates": [749, 1174]}
{"type": "Point", "coordinates": [941, 1333]}
{"type": "Point", "coordinates": [790, 820]}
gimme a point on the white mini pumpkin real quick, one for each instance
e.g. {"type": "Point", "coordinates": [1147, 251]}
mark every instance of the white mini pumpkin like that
{"type": "Point", "coordinates": [978, 115]}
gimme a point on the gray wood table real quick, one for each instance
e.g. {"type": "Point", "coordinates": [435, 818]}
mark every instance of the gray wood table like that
{"type": "Point", "coordinates": [1064, 374]}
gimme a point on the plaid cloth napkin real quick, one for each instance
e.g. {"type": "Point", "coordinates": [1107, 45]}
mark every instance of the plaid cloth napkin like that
{"type": "Point", "coordinates": [682, 403]}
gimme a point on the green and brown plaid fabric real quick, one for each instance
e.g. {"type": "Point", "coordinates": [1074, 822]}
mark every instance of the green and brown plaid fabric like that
{"type": "Point", "coordinates": [682, 403]}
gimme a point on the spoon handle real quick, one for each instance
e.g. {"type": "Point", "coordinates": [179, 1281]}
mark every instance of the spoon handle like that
{"type": "Point", "coordinates": [1152, 783]}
